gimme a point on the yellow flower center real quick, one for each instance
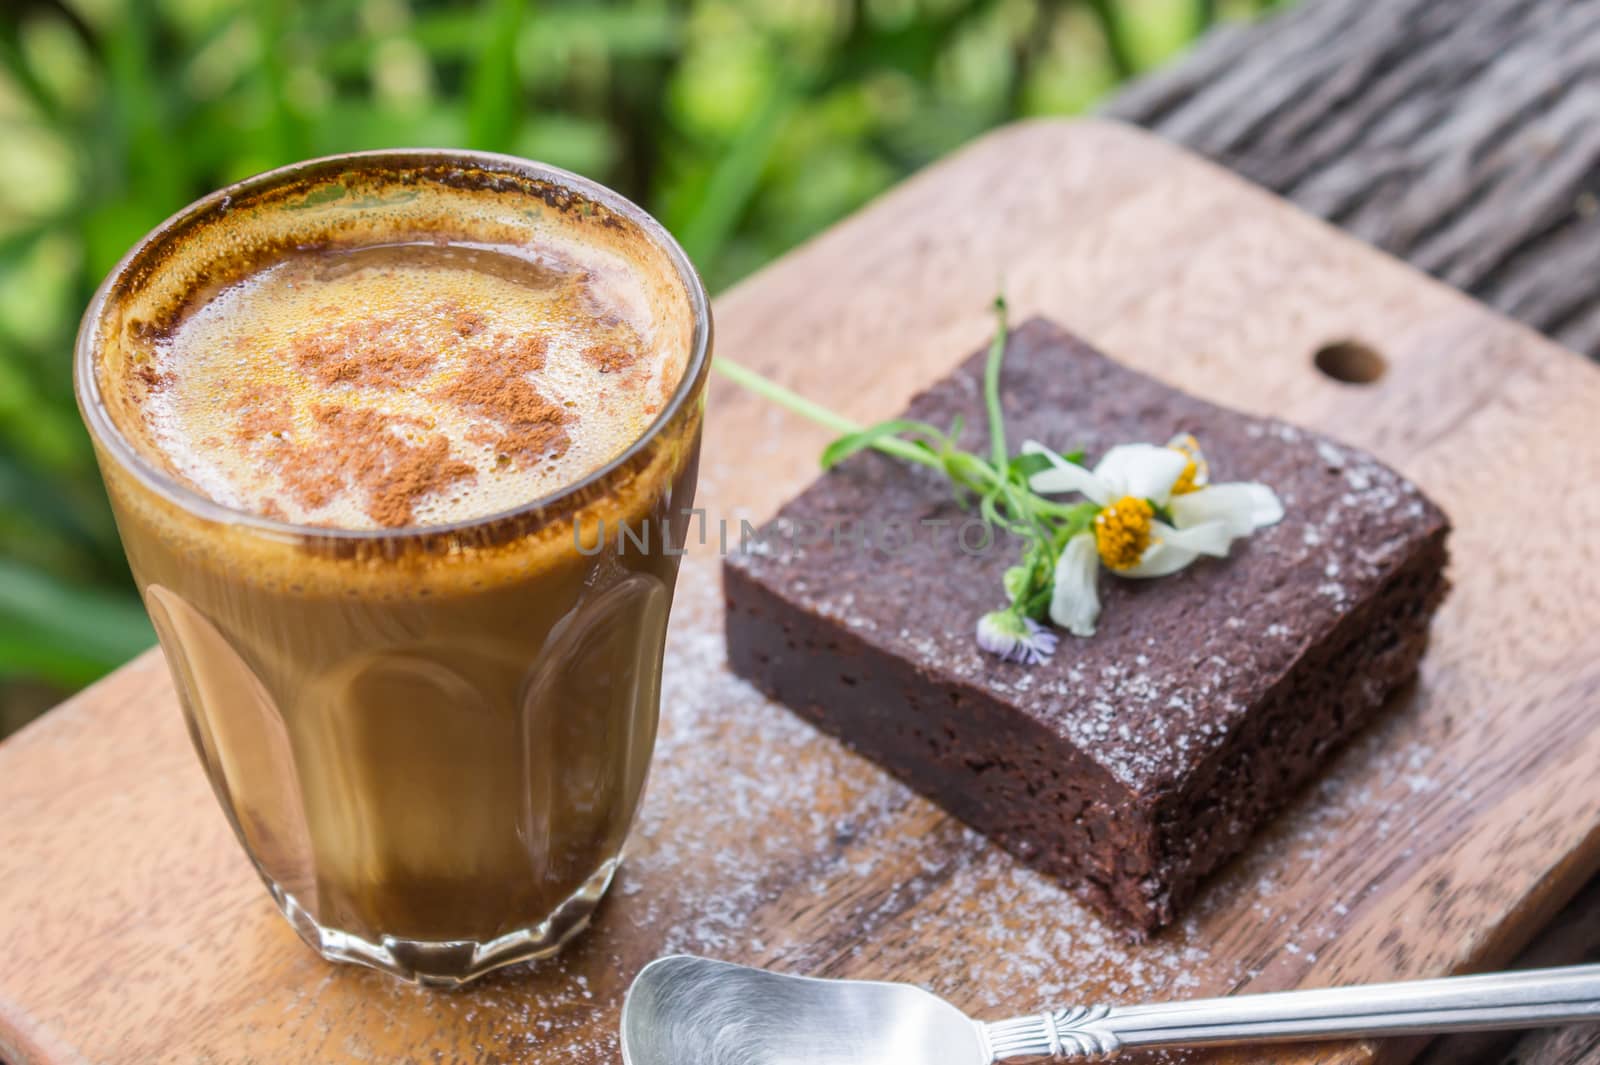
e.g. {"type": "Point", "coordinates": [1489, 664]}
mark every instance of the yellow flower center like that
{"type": "Point", "coordinates": [1193, 477]}
{"type": "Point", "coordinates": [1122, 532]}
{"type": "Point", "coordinates": [1185, 482]}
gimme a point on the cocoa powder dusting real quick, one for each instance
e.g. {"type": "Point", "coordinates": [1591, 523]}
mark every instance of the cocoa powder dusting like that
{"type": "Point", "coordinates": [376, 353]}
{"type": "Point", "coordinates": [153, 380]}
{"type": "Point", "coordinates": [365, 443]}
{"type": "Point", "coordinates": [384, 456]}
{"type": "Point", "coordinates": [466, 322]}
{"type": "Point", "coordinates": [394, 460]}
{"type": "Point", "coordinates": [610, 357]}
{"type": "Point", "coordinates": [264, 410]}
{"type": "Point", "coordinates": [379, 386]}
{"type": "Point", "coordinates": [494, 385]}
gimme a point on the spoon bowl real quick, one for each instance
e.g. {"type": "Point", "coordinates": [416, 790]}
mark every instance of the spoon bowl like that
{"type": "Point", "coordinates": [684, 1009]}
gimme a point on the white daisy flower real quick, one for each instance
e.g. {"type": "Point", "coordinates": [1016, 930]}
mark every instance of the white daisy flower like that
{"type": "Point", "coordinates": [1130, 484]}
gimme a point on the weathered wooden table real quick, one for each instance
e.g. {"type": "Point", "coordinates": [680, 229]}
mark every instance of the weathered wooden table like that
{"type": "Point", "coordinates": [1462, 136]}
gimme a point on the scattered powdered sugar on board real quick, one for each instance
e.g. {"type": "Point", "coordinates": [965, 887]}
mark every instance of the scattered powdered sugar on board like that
{"type": "Point", "coordinates": [760, 840]}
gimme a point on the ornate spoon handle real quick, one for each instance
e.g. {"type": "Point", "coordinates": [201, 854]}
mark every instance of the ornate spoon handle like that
{"type": "Point", "coordinates": [1503, 1000]}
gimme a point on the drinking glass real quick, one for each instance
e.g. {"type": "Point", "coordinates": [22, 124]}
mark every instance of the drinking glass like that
{"type": "Point", "coordinates": [431, 741]}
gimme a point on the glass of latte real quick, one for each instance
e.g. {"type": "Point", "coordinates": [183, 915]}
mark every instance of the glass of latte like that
{"type": "Point", "coordinates": [372, 427]}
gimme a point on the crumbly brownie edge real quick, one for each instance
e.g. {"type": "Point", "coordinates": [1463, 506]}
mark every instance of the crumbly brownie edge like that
{"type": "Point", "coordinates": [1133, 859]}
{"type": "Point", "coordinates": [1335, 689]}
{"type": "Point", "coordinates": [1005, 774]}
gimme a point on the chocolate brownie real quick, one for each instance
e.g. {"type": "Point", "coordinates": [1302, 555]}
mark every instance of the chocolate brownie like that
{"type": "Point", "coordinates": [1135, 761]}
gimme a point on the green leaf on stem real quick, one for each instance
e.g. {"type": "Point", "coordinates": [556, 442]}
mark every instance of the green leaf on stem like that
{"type": "Point", "coordinates": [850, 443]}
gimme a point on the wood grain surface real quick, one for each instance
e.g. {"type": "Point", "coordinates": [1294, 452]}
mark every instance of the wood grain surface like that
{"type": "Point", "coordinates": [131, 928]}
{"type": "Point", "coordinates": [1457, 134]}
{"type": "Point", "coordinates": [1569, 939]}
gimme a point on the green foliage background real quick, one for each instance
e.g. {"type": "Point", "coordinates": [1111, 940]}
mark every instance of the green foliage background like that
{"type": "Point", "coordinates": [745, 127]}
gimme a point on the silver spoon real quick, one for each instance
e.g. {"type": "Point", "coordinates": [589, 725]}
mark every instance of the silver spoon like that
{"type": "Point", "coordinates": [685, 1010]}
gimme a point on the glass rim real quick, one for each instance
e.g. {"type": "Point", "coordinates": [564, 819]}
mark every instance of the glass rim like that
{"type": "Point", "coordinates": [104, 432]}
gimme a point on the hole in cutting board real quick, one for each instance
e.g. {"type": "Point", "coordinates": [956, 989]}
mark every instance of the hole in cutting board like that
{"type": "Point", "coordinates": [1350, 362]}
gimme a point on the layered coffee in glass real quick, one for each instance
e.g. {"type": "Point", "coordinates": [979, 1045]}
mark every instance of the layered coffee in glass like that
{"type": "Point", "coordinates": [373, 428]}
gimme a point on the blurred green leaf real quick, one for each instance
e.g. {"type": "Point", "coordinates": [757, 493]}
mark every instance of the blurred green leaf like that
{"type": "Point", "coordinates": [22, 73]}
{"type": "Point", "coordinates": [732, 183]}
{"type": "Point", "coordinates": [55, 51]}
{"type": "Point", "coordinates": [58, 511]}
{"type": "Point", "coordinates": [495, 98]}
{"type": "Point", "coordinates": [39, 431]}
{"type": "Point", "coordinates": [1113, 27]}
{"type": "Point", "coordinates": [628, 32]}
{"type": "Point", "coordinates": [584, 145]}
{"type": "Point", "coordinates": [1156, 30]}
{"type": "Point", "coordinates": [286, 133]}
{"type": "Point", "coordinates": [64, 634]}
{"type": "Point", "coordinates": [113, 226]}
{"type": "Point", "coordinates": [351, 127]}
{"type": "Point", "coordinates": [142, 112]}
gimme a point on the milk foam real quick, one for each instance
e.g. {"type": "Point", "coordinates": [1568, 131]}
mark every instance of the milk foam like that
{"type": "Point", "coordinates": [251, 379]}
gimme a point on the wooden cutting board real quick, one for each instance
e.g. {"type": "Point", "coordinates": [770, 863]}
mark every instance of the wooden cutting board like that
{"type": "Point", "coordinates": [132, 929]}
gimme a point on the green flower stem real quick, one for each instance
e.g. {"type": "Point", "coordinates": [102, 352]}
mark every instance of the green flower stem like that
{"type": "Point", "coordinates": [991, 386]}
{"type": "Point", "coordinates": [1070, 511]}
{"type": "Point", "coordinates": [1005, 499]}
{"type": "Point", "coordinates": [783, 397]}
